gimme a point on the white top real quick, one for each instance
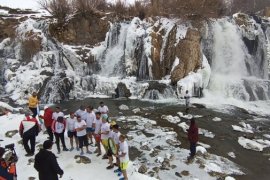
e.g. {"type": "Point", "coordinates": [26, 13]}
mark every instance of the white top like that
{"type": "Point", "coordinates": [104, 128]}
{"type": "Point", "coordinates": [123, 148]}
{"type": "Point", "coordinates": [111, 134]}
{"type": "Point", "coordinates": [90, 119]}
{"type": "Point", "coordinates": [57, 114]}
{"type": "Point", "coordinates": [71, 124]}
{"type": "Point", "coordinates": [103, 110]}
{"type": "Point", "coordinates": [59, 127]}
{"type": "Point", "coordinates": [81, 113]}
{"type": "Point", "coordinates": [98, 123]}
{"type": "Point", "coordinates": [80, 125]}
{"type": "Point", "coordinates": [116, 137]}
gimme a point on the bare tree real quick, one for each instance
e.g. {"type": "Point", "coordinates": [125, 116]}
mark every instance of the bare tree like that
{"type": "Point", "coordinates": [59, 9]}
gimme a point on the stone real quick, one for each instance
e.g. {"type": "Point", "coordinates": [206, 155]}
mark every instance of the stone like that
{"type": "Point", "coordinates": [145, 147]}
{"type": "Point", "coordinates": [30, 161]}
{"type": "Point", "coordinates": [139, 133]}
{"type": "Point", "coordinates": [154, 153]}
{"type": "Point", "coordinates": [159, 147]}
{"type": "Point", "coordinates": [31, 178]}
{"type": "Point", "coordinates": [151, 173]}
{"type": "Point", "coordinates": [267, 12]}
{"type": "Point", "coordinates": [165, 165]}
{"type": "Point", "coordinates": [82, 159]}
{"type": "Point", "coordinates": [143, 169]}
{"type": "Point", "coordinates": [173, 166]}
{"type": "Point", "coordinates": [147, 125]}
{"type": "Point", "coordinates": [129, 138]}
{"type": "Point", "coordinates": [185, 173]}
{"type": "Point", "coordinates": [11, 133]}
{"type": "Point", "coordinates": [136, 110]}
{"type": "Point", "coordinates": [122, 91]}
{"type": "Point", "coordinates": [124, 107]}
{"type": "Point", "coordinates": [156, 169]}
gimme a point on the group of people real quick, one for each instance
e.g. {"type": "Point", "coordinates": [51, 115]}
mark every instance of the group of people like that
{"type": "Point", "coordinates": [84, 127]}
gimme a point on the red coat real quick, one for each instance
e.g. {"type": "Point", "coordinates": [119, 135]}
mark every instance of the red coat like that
{"type": "Point", "coordinates": [193, 134]}
{"type": "Point", "coordinates": [48, 120]}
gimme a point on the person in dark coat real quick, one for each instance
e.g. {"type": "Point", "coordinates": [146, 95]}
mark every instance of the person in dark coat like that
{"type": "Point", "coordinates": [48, 120]}
{"type": "Point", "coordinates": [29, 129]}
{"type": "Point", "coordinates": [193, 137]}
{"type": "Point", "coordinates": [46, 163]}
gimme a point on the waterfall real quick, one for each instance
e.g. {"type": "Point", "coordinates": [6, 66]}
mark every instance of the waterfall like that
{"type": "Point", "coordinates": [237, 71]}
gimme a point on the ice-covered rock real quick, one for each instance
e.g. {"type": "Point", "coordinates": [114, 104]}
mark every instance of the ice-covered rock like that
{"type": "Point", "coordinates": [171, 119]}
{"type": "Point", "coordinates": [232, 154]}
{"type": "Point", "coordinates": [256, 144]}
{"type": "Point", "coordinates": [136, 110]}
{"type": "Point", "coordinates": [216, 119]}
{"type": "Point", "coordinates": [245, 128]}
{"type": "Point", "coordinates": [201, 149]}
{"type": "Point", "coordinates": [123, 107]}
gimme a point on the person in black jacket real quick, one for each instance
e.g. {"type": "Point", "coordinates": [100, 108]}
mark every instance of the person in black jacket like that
{"type": "Point", "coordinates": [46, 163]}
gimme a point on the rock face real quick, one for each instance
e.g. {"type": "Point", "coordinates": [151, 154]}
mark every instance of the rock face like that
{"type": "Point", "coordinates": [82, 29]}
{"type": "Point", "coordinates": [122, 91]}
{"type": "Point", "coordinates": [7, 28]}
{"type": "Point", "coordinates": [267, 11]}
{"type": "Point", "coordinates": [190, 55]}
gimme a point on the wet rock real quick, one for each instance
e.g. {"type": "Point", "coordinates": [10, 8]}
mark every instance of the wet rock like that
{"type": "Point", "coordinates": [129, 138]}
{"type": "Point", "coordinates": [145, 147]}
{"type": "Point", "coordinates": [139, 133]}
{"type": "Point", "coordinates": [31, 178]}
{"type": "Point", "coordinates": [156, 169]}
{"type": "Point", "coordinates": [185, 173]}
{"type": "Point", "coordinates": [31, 160]}
{"type": "Point", "coordinates": [10, 134]}
{"type": "Point", "coordinates": [147, 126]}
{"type": "Point", "coordinates": [151, 173]}
{"type": "Point", "coordinates": [143, 169]}
{"type": "Point", "coordinates": [200, 106]}
{"type": "Point", "coordinates": [124, 107]}
{"type": "Point", "coordinates": [137, 110]}
{"type": "Point", "coordinates": [82, 159]}
{"type": "Point", "coordinates": [159, 147]}
{"type": "Point", "coordinates": [20, 141]}
{"type": "Point", "coordinates": [173, 166]}
{"type": "Point", "coordinates": [122, 91]}
{"type": "Point", "coordinates": [154, 153]}
{"type": "Point", "coordinates": [165, 165]}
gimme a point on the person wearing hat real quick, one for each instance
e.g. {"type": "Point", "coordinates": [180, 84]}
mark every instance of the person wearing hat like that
{"type": "Point", "coordinates": [5, 172]}
{"type": "Point", "coordinates": [46, 163]}
{"type": "Point", "coordinates": [48, 120]}
{"type": "Point", "coordinates": [29, 129]}
{"type": "Point", "coordinates": [193, 137]}
{"type": "Point", "coordinates": [104, 132]}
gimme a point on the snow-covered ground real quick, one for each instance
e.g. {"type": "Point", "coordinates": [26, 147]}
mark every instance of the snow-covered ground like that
{"type": "Point", "coordinates": [21, 4]}
{"type": "Point", "coordinates": [72, 170]}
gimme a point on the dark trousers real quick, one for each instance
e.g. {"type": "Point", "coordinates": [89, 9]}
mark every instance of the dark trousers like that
{"type": "Point", "coordinates": [83, 141]}
{"type": "Point", "coordinates": [34, 111]}
{"type": "Point", "coordinates": [50, 133]}
{"type": "Point", "coordinates": [60, 136]}
{"type": "Point", "coordinates": [32, 140]}
{"type": "Point", "coordinates": [192, 149]}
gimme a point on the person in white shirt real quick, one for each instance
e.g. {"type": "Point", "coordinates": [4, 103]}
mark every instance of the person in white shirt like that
{"type": "Point", "coordinates": [57, 113]}
{"type": "Point", "coordinates": [116, 136]}
{"type": "Point", "coordinates": [97, 126]}
{"type": "Point", "coordinates": [81, 112]}
{"type": "Point", "coordinates": [80, 127]}
{"type": "Point", "coordinates": [71, 131]}
{"type": "Point", "coordinates": [123, 156]}
{"type": "Point", "coordinates": [103, 109]}
{"type": "Point", "coordinates": [90, 120]}
{"type": "Point", "coordinates": [187, 98]}
{"type": "Point", "coordinates": [105, 130]}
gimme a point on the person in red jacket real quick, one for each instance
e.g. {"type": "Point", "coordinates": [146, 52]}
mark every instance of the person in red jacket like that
{"type": "Point", "coordinates": [29, 129]}
{"type": "Point", "coordinates": [193, 137]}
{"type": "Point", "coordinates": [48, 120]}
{"type": "Point", "coordinates": [58, 128]}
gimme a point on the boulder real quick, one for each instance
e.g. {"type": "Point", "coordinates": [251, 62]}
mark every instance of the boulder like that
{"type": "Point", "coordinates": [145, 147]}
{"type": "Point", "coordinates": [143, 169]}
{"type": "Point", "coordinates": [189, 52]}
{"type": "Point", "coordinates": [122, 91]}
{"type": "Point", "coordinates": [267, 12]}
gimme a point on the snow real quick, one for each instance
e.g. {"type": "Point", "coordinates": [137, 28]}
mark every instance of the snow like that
{"type": "Point", "coordinates": [201, 149]}
{"type": "Point", "coordinates": [232, 154]}
{"type": "Point", "coordinates": [255, 145]}
{"type": "Point", "coordinates": [216, 119]}
{"type": "Point", "coordinates": [245, 128]}
{"type": "Point", "coordinates": [229, 178]}
{"type": "Point", "coordinates": [6, 106]}
{"type": "Point", "coordinates": [171, 119]}
{"type": "Point", "coordinates": [66, 160]}
{"type": "Point", "coordinates": [21, 4]}
{"type": "Point", "coordinates": [123, 107]}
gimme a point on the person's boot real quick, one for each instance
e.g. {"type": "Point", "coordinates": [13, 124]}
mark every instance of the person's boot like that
{"type": "Point", "coordinates": [65, 149]}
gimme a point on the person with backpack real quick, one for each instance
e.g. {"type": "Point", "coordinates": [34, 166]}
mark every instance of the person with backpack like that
{"type": "Point", "coordinates": [46, 163]}
{"type": "Point", "coordinates": [58, 128]}
{"type": "Point", "coordinates": [33, 104]}
{"type": "Point", "coordinates": [7, 168]}
{"type": "Point", "coordinates": [29, 129]}
{"type": "Point", "coordinates": [48, 120]}
{"type": "Point", "coordinates": [72, 134]}
{"type": "Point", "coordinates": [193, 136]}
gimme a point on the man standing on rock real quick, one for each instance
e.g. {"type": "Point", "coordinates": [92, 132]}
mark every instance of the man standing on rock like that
{"type": "Point", "coordinates": [187, 98]}
{"type": "Point", "coordinates": [33, 103]}
{"type": "Point", "coordinates": [46, 163]}
{"type": "Point", "coordinates": [28, 130]}
{"type": "Point", "coordinates": [193, 137]}
{"type": "Point", "coordinates": [48, 120]}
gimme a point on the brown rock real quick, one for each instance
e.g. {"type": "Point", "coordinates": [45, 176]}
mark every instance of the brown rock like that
{"type": "Point", "coordinates": [10, 134]}
{"type": "Point", "coordinates": [267, 11]}
{"type": "Point", "coordinates": [7, 27]}
{"type": "Point", "coordinates": [189, 52]}
{"type": "Point", "coordinates": [185, 173]}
